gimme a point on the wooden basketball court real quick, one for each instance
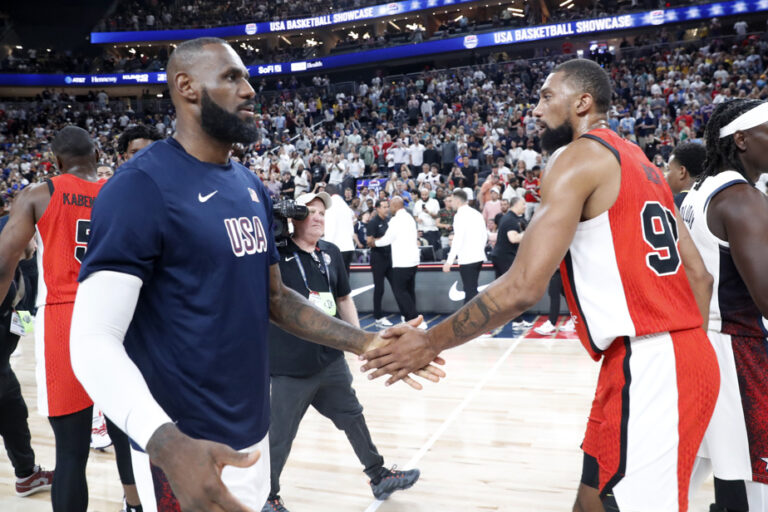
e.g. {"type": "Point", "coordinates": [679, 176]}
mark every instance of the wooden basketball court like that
{"type": "Point", "coordinates": [500, 433]}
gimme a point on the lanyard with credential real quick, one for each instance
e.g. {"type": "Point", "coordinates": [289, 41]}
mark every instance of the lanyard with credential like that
{"type": "Point", "coordinates": [304, 275]}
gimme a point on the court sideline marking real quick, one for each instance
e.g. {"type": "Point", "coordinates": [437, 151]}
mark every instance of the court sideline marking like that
{"type": "Point", "coordinates": [452, 417]}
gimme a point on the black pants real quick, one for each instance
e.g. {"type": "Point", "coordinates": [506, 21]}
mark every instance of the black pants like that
{"type": "Point", "coordinates": [469, 276]}
{"type": "Point", "coordinates": [381, 266]}
{"type": "Point", "coordinates": [555, 291]}
{"type": "Point", "coordinates": [13, 418]}
{"type": "Point", "coordinates": [122, 453]}
{"type": "Point", "coordinates": [330, 392]}
{"type": "Point", "coordinates": [347, 255]}
{"type": "Point", "coordinates": [433, 237]}
{"type": "Point", "coordinates": [404, 288]}
{"type": "Point", "coordinates": [500, 267]}
{"type": "Point", "coordinates": [73, 440]}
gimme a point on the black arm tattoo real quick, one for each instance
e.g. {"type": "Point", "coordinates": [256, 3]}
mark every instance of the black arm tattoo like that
{"type": "Point", "coordinates": [475, 317]}
{"type": "Point", "coordinates": [292, 312]}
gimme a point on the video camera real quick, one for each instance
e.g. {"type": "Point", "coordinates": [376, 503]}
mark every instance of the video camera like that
{"type": "Point", "coordinates": [281, 212]}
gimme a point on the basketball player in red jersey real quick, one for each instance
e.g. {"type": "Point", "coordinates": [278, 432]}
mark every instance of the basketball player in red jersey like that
{"type": "Point", "coordinates": [57, 212]}
{"type": "Point", "coordinates": [639, 290]}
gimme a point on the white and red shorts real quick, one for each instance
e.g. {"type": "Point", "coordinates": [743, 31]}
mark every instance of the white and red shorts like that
{"type": "Point", "coordinates": [654, 398]}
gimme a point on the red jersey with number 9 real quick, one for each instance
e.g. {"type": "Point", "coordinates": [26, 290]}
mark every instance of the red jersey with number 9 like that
{"type": "Point", "coordinates": [62, 237]}
{"type": "Point", "coordinates": [623, 275]}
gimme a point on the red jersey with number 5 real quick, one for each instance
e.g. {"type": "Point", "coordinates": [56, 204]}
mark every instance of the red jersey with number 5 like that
{"type": "Point", "coordinates": [623, 275]}
{"type": "Point", "coordinates": [62, 237]}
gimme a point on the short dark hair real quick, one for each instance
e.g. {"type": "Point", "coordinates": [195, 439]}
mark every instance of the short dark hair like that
{"type": "Point", "coordinates": [139, 131]}
{"type": "Point", "coordinates": [72, 141]}
{"type": "Point", "coordinates": [589, 77]}
{"type": "Point", "coordinates": [460, 194]}
{"type": "Point", "coordinates": [691, 155]}
{"type": "Point", "coordinates": [378, 202]}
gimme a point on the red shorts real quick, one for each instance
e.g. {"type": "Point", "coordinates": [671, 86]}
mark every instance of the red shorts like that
{"type": "Point", "coordinates": [655, 396]}
{"type": "Point", "coordinates": [58, 390]}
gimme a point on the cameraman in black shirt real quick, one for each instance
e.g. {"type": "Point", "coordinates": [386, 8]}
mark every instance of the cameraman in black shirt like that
{"type": "Point", "coordinates": [305, 373]}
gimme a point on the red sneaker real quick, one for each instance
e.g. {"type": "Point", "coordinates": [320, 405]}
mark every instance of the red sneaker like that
{"type": "Point", "coordinates": [40, 480]}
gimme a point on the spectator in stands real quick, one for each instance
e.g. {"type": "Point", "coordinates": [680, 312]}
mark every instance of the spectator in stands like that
{"type": "Point", "coordinates": [492, 207]}
{"type": "Point", "coordinates": [104, 172]}
{"type": "Point", "coordinates": [426, 211]}
{"type": "Point", "coordinates": [531, 184]}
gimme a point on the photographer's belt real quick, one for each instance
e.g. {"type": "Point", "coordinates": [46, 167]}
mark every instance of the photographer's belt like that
{"type": "Point", "coordinates": [322, 300]}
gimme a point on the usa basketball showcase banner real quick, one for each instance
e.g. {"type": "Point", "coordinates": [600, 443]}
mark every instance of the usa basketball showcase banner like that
{"type": "Point", "coordinates": [271, 27]}
{"type": "Point", "coordinates": [453, 44]}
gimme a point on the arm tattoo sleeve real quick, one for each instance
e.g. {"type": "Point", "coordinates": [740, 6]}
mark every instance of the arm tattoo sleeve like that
{"type": "Point", "coordinates": [296, 315]}
{"type": "Point", "coordinates": [475, 318]}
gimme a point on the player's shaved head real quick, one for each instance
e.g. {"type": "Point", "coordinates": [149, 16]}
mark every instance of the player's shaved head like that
{"type": "Point", "coordinates": [72, 142]}
{"type": "Point", "coordinates": [187, 54]}
{"type": "Point", "coordinates": [396, 203]}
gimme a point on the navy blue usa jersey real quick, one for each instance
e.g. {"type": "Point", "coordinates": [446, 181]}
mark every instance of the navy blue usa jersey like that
{"type": "Point", "coordinates": [199, 236]}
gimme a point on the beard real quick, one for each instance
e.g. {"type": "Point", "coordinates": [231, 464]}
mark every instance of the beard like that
{"type": "Point", "coordinates": [226, 126]}
{"type": "Point", "coordinates": [554, 138]}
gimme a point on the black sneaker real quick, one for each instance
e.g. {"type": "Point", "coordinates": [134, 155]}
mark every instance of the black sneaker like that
{"type": "Point", "coordinates": [274, 505]}
{"type": "Point", "coordinates": [391, 480]}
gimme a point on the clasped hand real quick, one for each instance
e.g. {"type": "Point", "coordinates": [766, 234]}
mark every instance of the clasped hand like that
{"type": "Point", "coordinates": [400, 351]}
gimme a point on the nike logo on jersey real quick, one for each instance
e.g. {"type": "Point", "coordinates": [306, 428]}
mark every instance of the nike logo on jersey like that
{"type": "Point", "coordinates": [289, 258]}
{"type": "Point", "coordinates": [202, 198]}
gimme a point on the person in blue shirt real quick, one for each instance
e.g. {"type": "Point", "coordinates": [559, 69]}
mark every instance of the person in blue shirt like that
{"type": "Point", "coordinates": [177, 288]}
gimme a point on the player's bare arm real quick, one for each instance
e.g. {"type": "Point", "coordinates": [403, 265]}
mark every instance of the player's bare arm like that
{"type": "Point", "coordinates": [699, 278]}
{"type": "Point", "coordinates": [739, 215]}
{"type": "Point", "coordinates": [295, 314]}
{"type": "Point", "coordinates": [20, 229]}
{"type": "Point", "coordinates": [582, 183]}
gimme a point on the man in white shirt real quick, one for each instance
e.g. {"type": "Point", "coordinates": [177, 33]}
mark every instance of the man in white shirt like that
{"type": "Point", "coordinates": [399, 153]}
{"type": "Point", "coordinates": [425, 212]}
{"type": "Point", "coordinates": [469, 239]}
{"type": "Point", "coordinates": [356, 166]}
{"type": "Point", "coordinates": [401, 235]}
{"type": "Point", "coordinates": [423, 175]}
{"type": "Point", "coordinates": [416, 155]}
{"type": "Point", "coordinates": [528, 155]}
{"type": "Point", "coordinates": [340, 225]}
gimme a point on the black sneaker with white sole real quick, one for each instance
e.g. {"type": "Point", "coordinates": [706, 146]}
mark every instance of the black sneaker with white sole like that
{"type": "Point", "coordinates": [391, 480]}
